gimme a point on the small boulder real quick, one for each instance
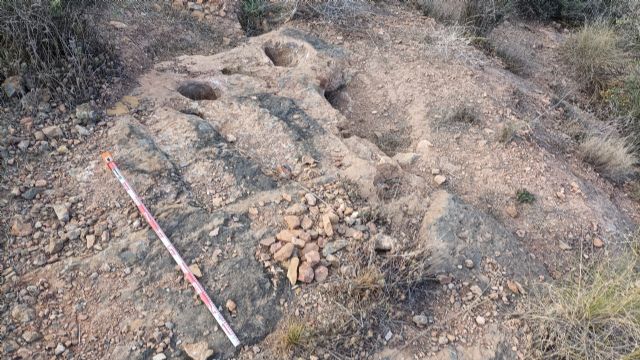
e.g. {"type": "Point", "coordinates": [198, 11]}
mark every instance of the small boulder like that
{"type": "Point", "coordinates": [62, 212]}
{"type": "Point", "coordinates": [312, 258]}
{"type": "Point", "coordinates": [383, 242]}
{"type": "Point", "coordinates": [421, 320]}
{"type": "Point", "coordinates": [305, 273]}
{"type": "Point", "coordinates": [306, 223]}
{"type": "Point", "coordinates": [86, 113]}
{"type": "Point", "coordinates": [326, 225]}
{"type": "Point", "coordinates": [30, 336]}
{"type": "Point", "coordinates": [321, 273]}
{"type": "Point", "coordinates": [292, 221]}
{"type": "Point", "coordinates": [284, 253]}
{"type": "Point", "coordinates": [292, 271]}
{"type": "Point", "coordinates": [54, 246]}
{"type": "Point", "coordinates": [285, 235]}
{"type": "Point", "coordinates": [311, 199]}
{"type": "Point", "coordinates": [21, 227]}
{"type": "Point", "coordinates": [333, 247]}
{"type": "Point", "coordinates": [23, 313]}
{"type": "Point", "coordinates": [195, 269]}
{"type": "Point", "coordinates": [12, 86]}
{"type": "Point", "coordinates": [52, 132]}
{"type": "Point", "coordinates": [296, 209]}
{"type": "Point", "coordinates": [406, 159]}
{"type": "Point", "coordinates": [198, 351]}
{"type": "Point", "coordinates": [439, 179]}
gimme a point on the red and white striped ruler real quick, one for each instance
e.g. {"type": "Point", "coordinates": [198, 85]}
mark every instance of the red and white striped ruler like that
{"type": "Point", "coordinates": [108, 159]}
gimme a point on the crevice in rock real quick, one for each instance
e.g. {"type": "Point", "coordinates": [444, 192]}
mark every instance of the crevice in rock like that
{"type": "Point", "coordinates": [284, 54]}
{"type": "Point", "coordinates": [198, 90]}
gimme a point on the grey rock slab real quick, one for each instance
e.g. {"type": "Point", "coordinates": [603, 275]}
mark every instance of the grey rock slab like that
{"type": "Point", "coordinates": [453, 232]}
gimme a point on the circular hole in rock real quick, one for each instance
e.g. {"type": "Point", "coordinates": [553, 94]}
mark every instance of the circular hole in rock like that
{"type": "Point", "coordinates": [198, 90]}
{"type": "Point", "coordinates": [284, 54]}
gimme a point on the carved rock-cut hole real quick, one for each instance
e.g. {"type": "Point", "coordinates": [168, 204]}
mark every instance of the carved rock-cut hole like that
{"type": "Point", "coordinates": [198, 90]}
{"type": "Point", "coordinates": [287, 54]}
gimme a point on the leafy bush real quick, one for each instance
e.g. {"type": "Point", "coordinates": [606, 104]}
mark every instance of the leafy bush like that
{"type": "Point", "coordinates": [595, 57]}
{"type": "Point", "coordinates": [51, 44]}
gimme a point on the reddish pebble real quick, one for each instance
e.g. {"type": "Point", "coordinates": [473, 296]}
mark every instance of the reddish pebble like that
{"type": "Point", "coordinates": [284, 253]}
{"type": "Point", "coordinates": [309, 247]}
{"type": "Point", "coordinates": [321, 273]}
{"type": "Point", "coordinates": [275, 247]}
{"type": "Point", "coordinates": [312, 258]}
{"type": "Point", "coordinates": [305, 273]}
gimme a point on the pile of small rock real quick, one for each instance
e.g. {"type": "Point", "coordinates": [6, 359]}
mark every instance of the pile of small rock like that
{"type": "Point", "coordinates": [201, 9]}
{"type": "Point", "coordinates": [316, 231]}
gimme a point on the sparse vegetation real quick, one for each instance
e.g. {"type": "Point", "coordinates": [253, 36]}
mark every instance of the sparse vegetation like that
{"type": "Point", "coordinates": [345, 14]}
{"type": "Point", "coordinates": [52, 45]}
{"type": "Point", "coordinates": [611, 155]}
{"type": "Point", "coordinates": [523, 196]}
{"type": "Point", "coordinates": [507, 133]}
{"type": "Point", "coordinates": [513, 57]}
{"type": "Point", "coordinates": [368, 295]}
{"type": "Point", "coordinates": [634, 191]}
{"type": "Point", "coordinates": [594, 56]}
{"type": "Point", "coordinates": [294, 334]}
{"type": "Point", "coordinates": [480, 16]}
{"type": "Point", "coordinates": [259, 16]}
{"type": "Point", "coordinates": [464, 114]}
{"type": "Point", "coordinates": [593, 314]}
{"type": "Point", "coordinates": [572, 12]}
{"type": "Point", "coordinates": [623, 100]}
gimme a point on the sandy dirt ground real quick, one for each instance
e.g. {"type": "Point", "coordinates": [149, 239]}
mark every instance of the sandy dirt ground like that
{"type": "Point", "coordinates": [285, 167]}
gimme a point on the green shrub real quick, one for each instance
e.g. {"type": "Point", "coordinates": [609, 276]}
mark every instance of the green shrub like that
{"type": "Point", "coordinates": [594, 56]}
{"type": "Point", "coordinates": [53, 45]}
{"type": "Point", "coordinates": [523, 196]}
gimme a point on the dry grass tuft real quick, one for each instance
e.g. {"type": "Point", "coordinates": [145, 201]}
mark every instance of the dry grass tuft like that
{"type": "Point", "coordinates": [610, 155]}
{"type": "Point", "coordinates": [593, 315]}
{"type": "Point", "coordinates": [514, 57]}
{"type": "Point", "coordinates": [368, 294]}
{"type": "Point", "coordinates": [595, 57]}
{"type": "Point", "coordinates": [294, 334]}
{"type": "Point", "coordinates": [463, 114]}
{"type": "Point", "coordinates": [260, 16]}
{"type": "Point", "coordinates": [507, 134]}
{"type": "Point", "coordinates": [367, 283]}
{"type": "Point", "coordinates": [479, 16]}
{"type": "Point", "coordinates": [55, 46]}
